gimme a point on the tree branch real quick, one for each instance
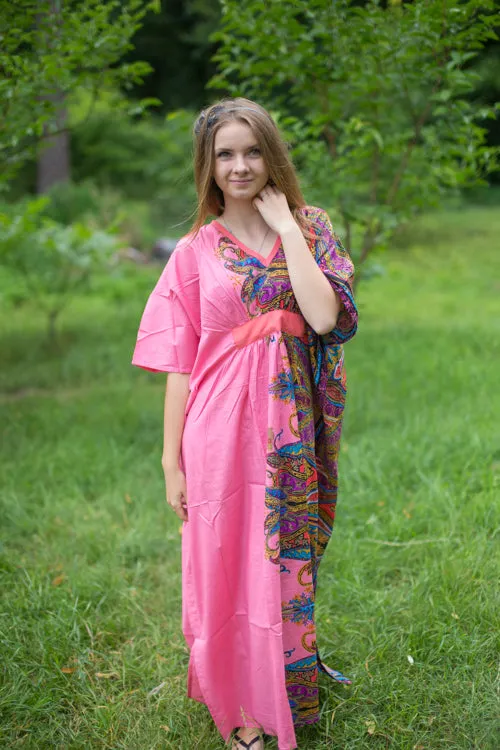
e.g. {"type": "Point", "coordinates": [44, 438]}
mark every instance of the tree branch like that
{"type": "Point", "coordinates": [347, 230]}
{"type": "Point", "coordinates": [328, 132]}
{"type": "Point", "coordinates": [393, 190]}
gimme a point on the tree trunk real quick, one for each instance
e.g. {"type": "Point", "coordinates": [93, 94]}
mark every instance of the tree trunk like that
{"type": "Point", "coordinates": [53, 162]}
{"type": "Point", "coordinates": [52, 318]}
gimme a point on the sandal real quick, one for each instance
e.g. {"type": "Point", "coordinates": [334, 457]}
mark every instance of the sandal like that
{"type": "Point", "coordinates": [245, 745]}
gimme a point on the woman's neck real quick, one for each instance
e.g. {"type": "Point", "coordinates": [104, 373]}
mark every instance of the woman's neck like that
{"type": "Point", "coordinates": [241, 215]}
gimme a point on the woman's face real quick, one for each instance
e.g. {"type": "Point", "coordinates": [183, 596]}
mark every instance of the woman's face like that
{"type": "Point", "coordinates": [240, 171]}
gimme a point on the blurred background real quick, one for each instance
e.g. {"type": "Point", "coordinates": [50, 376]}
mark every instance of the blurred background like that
{"type": "Point", "coordinates": [390, 110]}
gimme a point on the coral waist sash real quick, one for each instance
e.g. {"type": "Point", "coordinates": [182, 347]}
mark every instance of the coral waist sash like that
{"type": "Point", "coordinates": [270, 322]}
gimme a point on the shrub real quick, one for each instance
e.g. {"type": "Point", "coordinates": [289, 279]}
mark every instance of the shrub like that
{"type": "Point", "coordinates": [51, 261]}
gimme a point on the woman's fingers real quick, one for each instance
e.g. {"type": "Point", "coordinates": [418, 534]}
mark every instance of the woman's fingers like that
{"type": "Point", "coordinates": [176, 493]}
{"type": "Point", "coordinates": [181, 511]}
{"type": "Point", "coordinates": [268, 192]}
{"type": "Point", "coordinates": [179, 507]}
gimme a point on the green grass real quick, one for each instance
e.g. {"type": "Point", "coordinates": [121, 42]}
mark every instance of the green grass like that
{"type": "Point", "coordinates": [90, 557]}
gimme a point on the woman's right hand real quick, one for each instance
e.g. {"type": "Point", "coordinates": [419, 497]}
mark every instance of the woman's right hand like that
{"type": "Point", "coordinates": [175, 484]}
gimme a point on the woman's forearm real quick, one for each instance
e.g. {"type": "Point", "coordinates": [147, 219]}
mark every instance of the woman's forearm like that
{"type": "Point", "coordinates": [317, 300]}
{"type": "Point", "coordinates": [176, 395]}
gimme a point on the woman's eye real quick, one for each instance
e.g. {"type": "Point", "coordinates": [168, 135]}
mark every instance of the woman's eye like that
{"type": "Point", "coordinates": [223, 154]}
{"type": "Point", "coordinates": [255, 151]}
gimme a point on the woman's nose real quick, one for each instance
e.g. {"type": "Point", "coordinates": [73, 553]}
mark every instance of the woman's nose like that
{"type": "Point", "coordinates": [240, 163]}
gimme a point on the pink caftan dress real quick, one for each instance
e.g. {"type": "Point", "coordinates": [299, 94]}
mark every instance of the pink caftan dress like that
{"type": "Point", "coordinates": [259, 451]}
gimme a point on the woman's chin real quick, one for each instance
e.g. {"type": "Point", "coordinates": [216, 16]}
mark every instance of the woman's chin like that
{"type": "Point", "coordinates": [242, 195]}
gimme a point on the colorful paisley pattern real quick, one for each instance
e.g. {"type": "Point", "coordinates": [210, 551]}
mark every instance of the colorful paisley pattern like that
{"type": "Point", "coordinates": [302, 454]}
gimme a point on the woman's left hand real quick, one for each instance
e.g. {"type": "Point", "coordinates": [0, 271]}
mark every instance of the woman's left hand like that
{"type": "Point", "coordinates": [272, 205]}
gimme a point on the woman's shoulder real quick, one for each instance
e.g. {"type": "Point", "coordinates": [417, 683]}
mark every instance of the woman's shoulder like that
{"type": "Point", "coordinates": [318, 219]}
{"type": "Point", "coordinates": [194, 241]}
{"type": "Point", "coordinates": [312, 211]}
{"type": "Point", "coordinates": [315, 213]}
{"type": "Point", "coordinates": [185, 261]}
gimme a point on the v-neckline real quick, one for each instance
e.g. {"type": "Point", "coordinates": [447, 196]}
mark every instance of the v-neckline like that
{"type": "Point", "coordinates": [265, 260]}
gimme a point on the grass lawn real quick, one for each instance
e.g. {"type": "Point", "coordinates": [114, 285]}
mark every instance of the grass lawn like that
{"type": "Point", "coordinates": [408, 605]}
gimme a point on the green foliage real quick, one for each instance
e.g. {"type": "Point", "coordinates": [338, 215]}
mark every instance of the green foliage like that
{"type": "Point", "coordinates": [100, 206]}
{"type": "Point", "coordinates": [487, 92]}
{"type": "Point", "coordinates": [68, 202]}
{"type": "Point", "coordinates": [145, 159]}
{"type": "Point", "coordinates": [130, 171]}
{"type": "Point", "coordinates": [51, 261]}
{"type": "Point", "coordinates": [49, 50]}
{"type": "Point", "coordinates": [141, 167]}
{"type": "Point", "coordinates": [375, 99]}
{"type": "Point", "coordinates": [177, 43]}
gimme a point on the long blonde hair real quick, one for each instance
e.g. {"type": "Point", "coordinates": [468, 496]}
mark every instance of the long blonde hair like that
{"type": "Point", "coordinates": [274, 152]}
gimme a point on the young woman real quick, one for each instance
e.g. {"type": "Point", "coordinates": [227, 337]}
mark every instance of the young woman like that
{"type": "Point", "coordinates": [249, 318]}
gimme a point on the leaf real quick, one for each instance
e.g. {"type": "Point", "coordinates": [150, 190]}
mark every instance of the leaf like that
{"type": "Point", "coordinates": [156, 689]}
{"type": "Point", "coordinates": [375, 80]}
{"type": "Point", "coordinates": [370, 727]}
{"type": "Point", "coordinates": [107, 675]}
{"type": "Point", "coordinates": [411, 660]}
{"type": "Point", "coordinates": [68, 670]}
{"type": "Point", "coordinates": [58, 580]}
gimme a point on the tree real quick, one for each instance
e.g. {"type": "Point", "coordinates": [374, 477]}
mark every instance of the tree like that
{"type": "Point", "coordinates": [375, 99]}
{"type": "Point", "coordinates": [180, 77]}
{"type": "Point", "coordinates": [53, 163]}
{"type": "Point", "coordinates": [184, 28]}
{"type": "Point", "coordinates": [63, 263]}
{"type": "Point", "coordinates": [50, 48]}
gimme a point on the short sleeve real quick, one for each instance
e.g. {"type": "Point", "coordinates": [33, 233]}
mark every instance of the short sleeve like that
{"type": "Point", "coordinates": [338, 267]}
{"type": "Point", "coordinates": [169, 331]}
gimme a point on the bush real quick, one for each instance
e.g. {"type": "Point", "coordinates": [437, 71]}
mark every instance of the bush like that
{"type": "Point", "coordinates": [135, 221]}
{"type": "Point", "coordinates": [102, 208]}
{"type": "Point", "coordinates": [69, 202]}
{"type": "Point", "coordinates": [135, 172]}
{"type": "Point", "coordinates": [146, 159]}
{"type": "Point", "coordinates": [51, 261]}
